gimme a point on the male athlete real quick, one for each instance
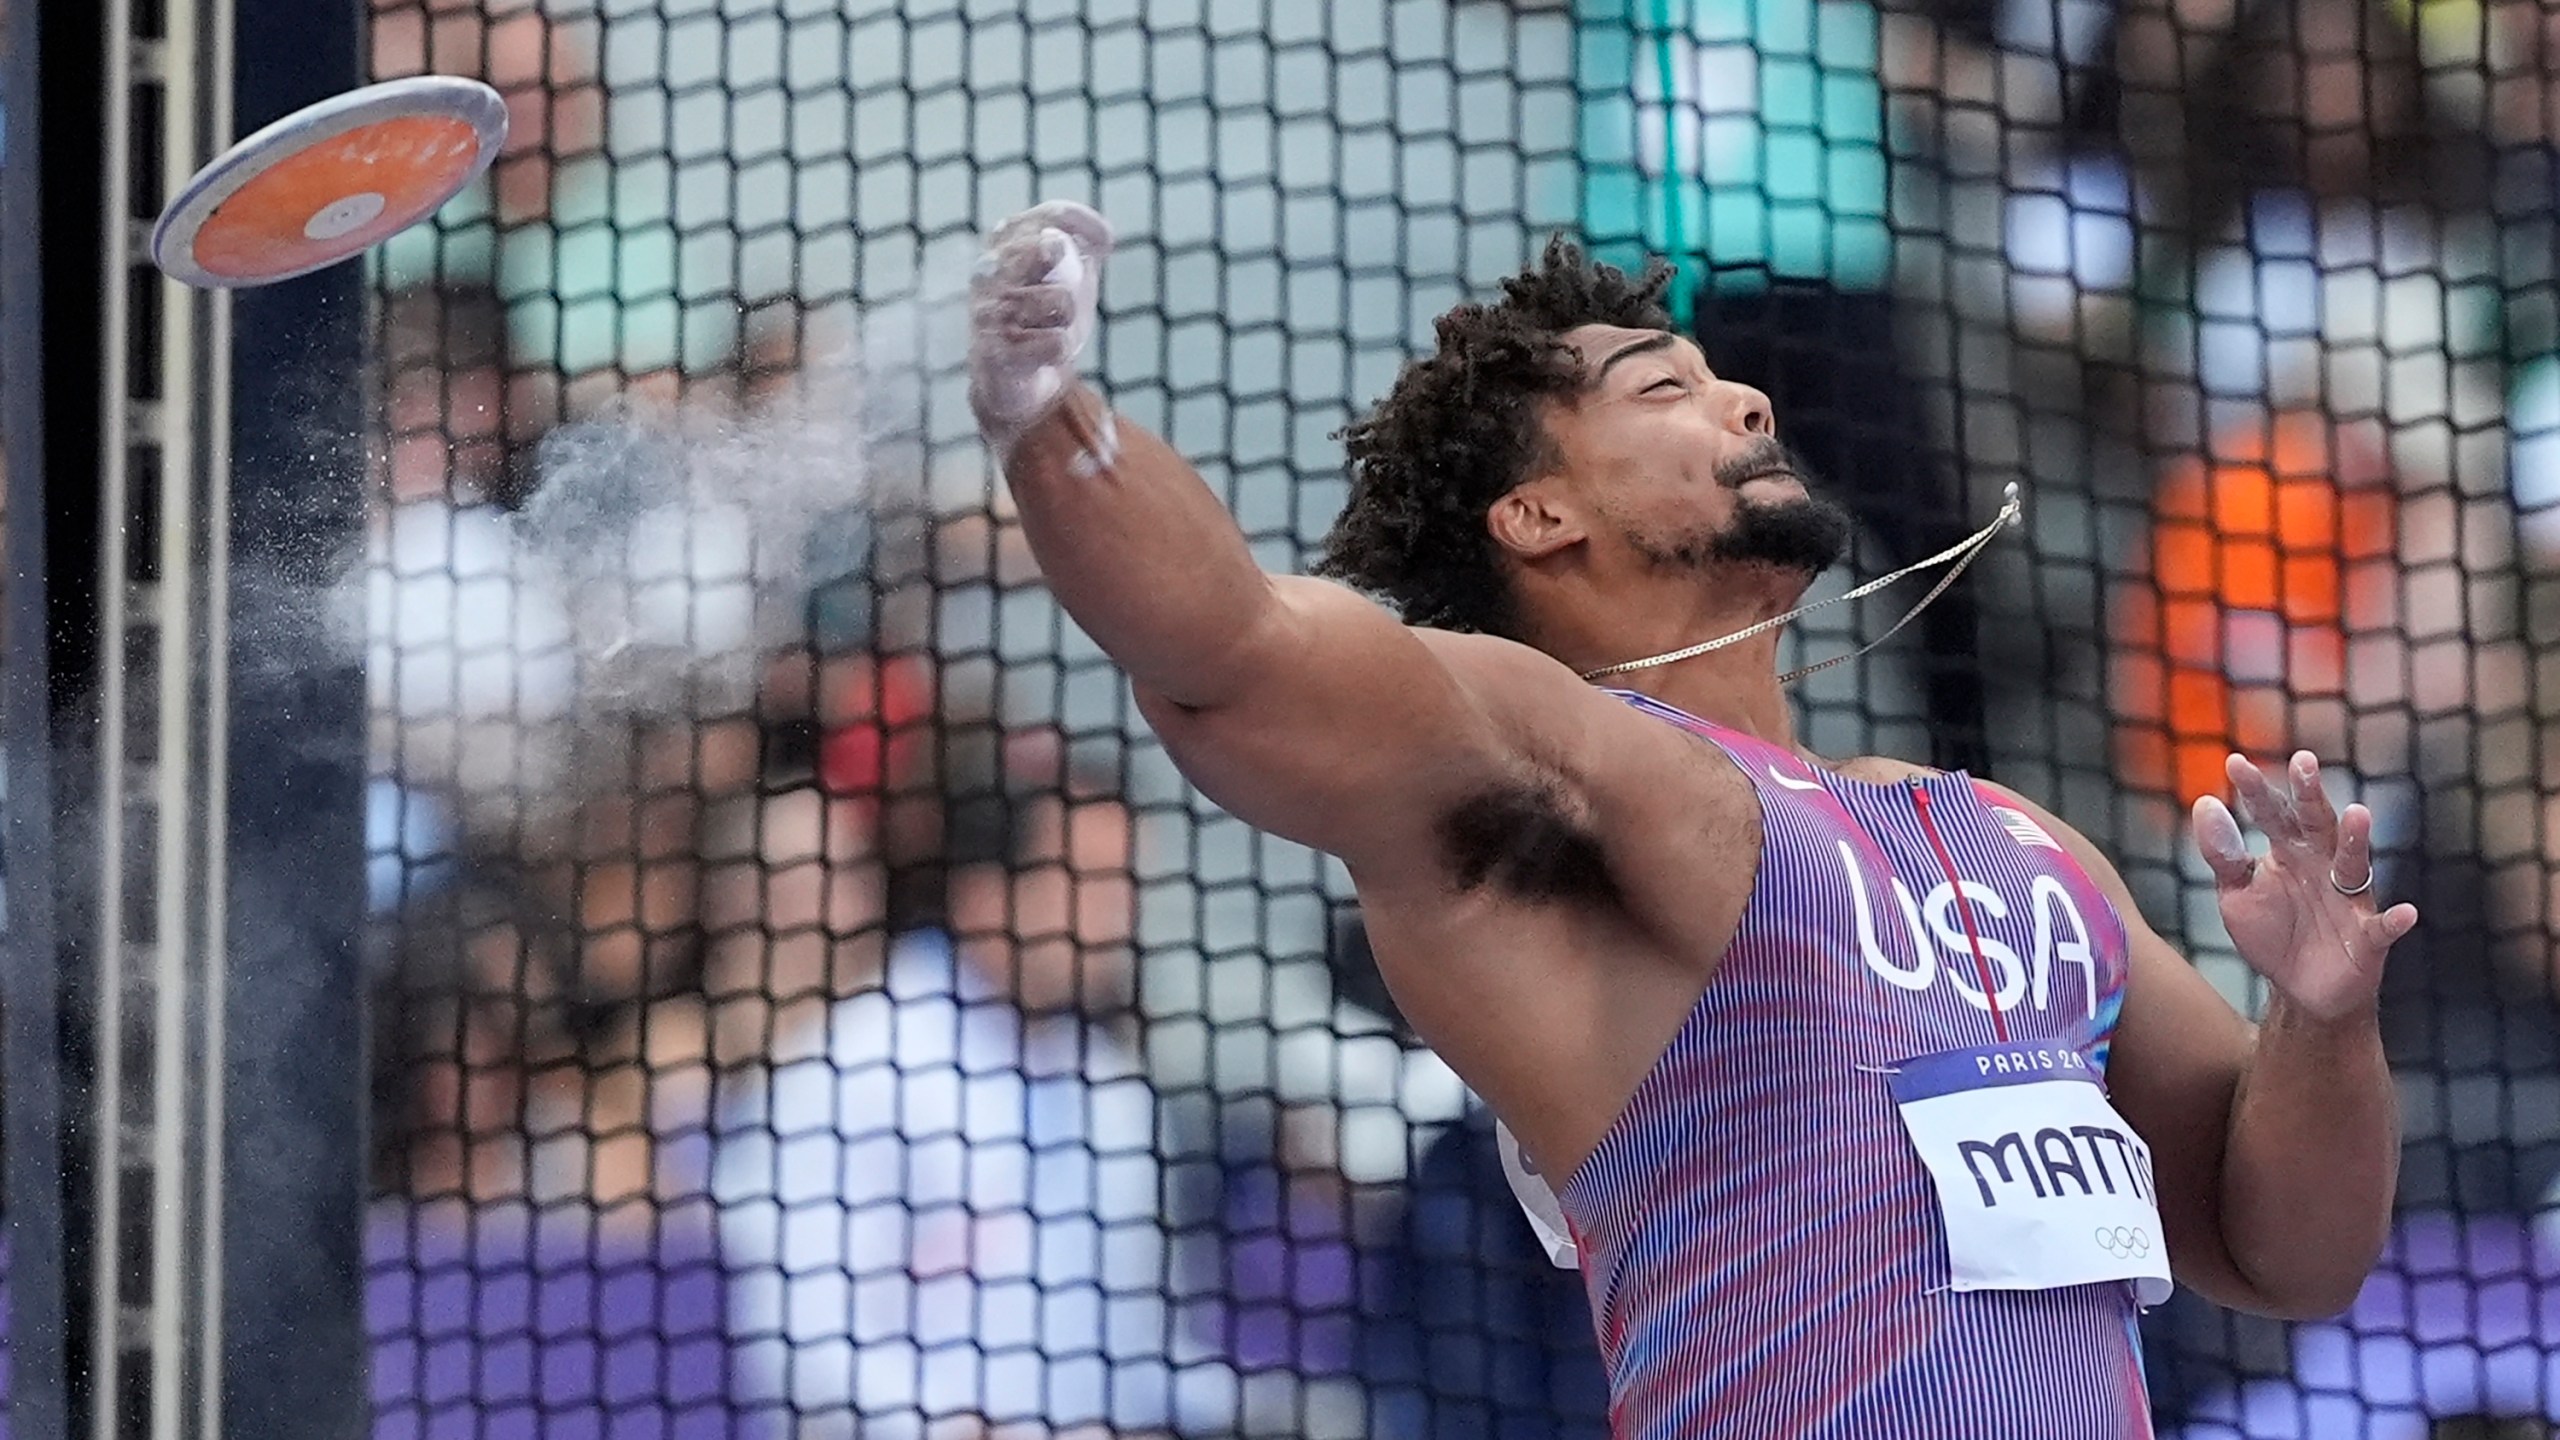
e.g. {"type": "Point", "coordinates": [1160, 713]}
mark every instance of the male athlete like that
{"type": "Point", "coordinates": [1874, 1108]}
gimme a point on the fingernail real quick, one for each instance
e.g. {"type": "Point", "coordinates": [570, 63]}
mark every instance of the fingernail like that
{"type": "Point", "coordinates": [2218, 831]}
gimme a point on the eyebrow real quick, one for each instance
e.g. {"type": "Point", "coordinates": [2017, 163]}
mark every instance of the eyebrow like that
{"type": "Point", "coordinates": [1658, 340]}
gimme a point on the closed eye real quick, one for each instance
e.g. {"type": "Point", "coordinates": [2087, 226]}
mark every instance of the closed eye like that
{"type": "Point", "coordinates": [1672, 381]}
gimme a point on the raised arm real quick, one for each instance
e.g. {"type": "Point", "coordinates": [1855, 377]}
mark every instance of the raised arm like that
{"type": "Point", "coordinates": [1298, 705]}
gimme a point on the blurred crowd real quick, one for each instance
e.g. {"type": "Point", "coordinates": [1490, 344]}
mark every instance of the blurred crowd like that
{"type": "Point", "coordinates": [807, 1006]}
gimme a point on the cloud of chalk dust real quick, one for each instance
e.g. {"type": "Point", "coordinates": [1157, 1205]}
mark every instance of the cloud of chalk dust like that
{"type": "Point", "coordinates": [680, 539]}
{"type": "Point", "coordinates": [664, 550]}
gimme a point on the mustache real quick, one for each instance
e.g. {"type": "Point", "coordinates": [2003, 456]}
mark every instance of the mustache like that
{"type": "Point", "coordinates": [1768, 457]}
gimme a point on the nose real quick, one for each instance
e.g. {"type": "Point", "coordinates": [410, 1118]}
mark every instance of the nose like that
{"type": "Point", "coordinates": [1748, 411]}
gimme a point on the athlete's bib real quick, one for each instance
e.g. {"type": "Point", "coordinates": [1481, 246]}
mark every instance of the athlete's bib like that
{"type": "Point", "coordinates": [1537, 1200]}
{"type": "Point", "coordinates": [2040, 1182]}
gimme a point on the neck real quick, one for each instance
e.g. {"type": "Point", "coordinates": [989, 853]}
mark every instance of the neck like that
{"type": "Point", "coordinates": [1735, 686]}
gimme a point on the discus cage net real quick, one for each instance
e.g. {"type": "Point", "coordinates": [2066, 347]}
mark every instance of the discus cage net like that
{"type": "Point", "coordinates": [807, 1002]}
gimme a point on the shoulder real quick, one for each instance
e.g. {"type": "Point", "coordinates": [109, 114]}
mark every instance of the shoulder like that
{"type": "Point", "coordinates": [1615, 757]}
{"type": "Point", "coordinates": [1560, 719]}
{"type": "Point", "coordinates": [1886, 770]}
{"type": "Point", "coordinates": [1557, 729]}
{"type": "Point", "coordinates": [1312, 598]}
{"type": "Point", "coordinates": [2102, 871]}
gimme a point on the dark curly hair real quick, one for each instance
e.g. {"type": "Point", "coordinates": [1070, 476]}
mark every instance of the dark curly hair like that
{"type": "Point", "coordinates": [1461, 428]}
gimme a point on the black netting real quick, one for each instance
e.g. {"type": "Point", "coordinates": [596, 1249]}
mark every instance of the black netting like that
{"type": "Point", "coordinates": [808, 1003]}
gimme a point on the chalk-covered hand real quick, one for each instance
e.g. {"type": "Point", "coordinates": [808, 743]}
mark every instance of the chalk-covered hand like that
{"type": "Point", "coordinates": [2302, 915]}
{"type": "Point", "coordinates": [1032, 302]}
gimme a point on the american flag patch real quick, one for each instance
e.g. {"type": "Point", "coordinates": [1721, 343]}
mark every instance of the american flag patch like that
{"type": "Point", "coordinates": [2023, 828]}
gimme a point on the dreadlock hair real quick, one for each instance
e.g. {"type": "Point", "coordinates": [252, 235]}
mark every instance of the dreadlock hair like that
{"type": "Point", "coordinates": [1461, 428]}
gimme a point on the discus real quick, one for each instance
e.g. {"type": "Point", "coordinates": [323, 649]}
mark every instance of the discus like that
{"type": "Point", "coordinates": [329, 182]}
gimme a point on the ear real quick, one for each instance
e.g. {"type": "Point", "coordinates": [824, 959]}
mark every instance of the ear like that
{"type": "Point", "coordinates": [1535, 520]}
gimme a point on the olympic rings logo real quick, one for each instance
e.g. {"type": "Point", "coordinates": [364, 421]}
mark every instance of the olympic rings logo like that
{"type": "Point", "coordinates": [2125, 1242]}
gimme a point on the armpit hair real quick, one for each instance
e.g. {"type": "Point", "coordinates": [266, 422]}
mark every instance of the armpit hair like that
{"type": "Point", "coordinates": [1520, 837]}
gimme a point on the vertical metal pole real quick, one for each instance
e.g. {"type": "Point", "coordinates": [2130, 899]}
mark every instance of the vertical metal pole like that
{"type": "Point", "coordinates": [191, 880]}
{"type": "Point", "coordinates": [175, 958]}
{"type": "Point", "coordinates": [115, 443]}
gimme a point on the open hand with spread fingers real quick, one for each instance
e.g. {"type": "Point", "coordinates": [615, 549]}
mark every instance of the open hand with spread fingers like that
{"type": "Point", "coordinates": [2302, 914]}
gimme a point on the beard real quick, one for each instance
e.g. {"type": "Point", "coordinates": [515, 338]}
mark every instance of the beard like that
{"type": "Point", "coordinates": [1799, 534]}
{"type": "Point", "coordinates": [1802, 534]}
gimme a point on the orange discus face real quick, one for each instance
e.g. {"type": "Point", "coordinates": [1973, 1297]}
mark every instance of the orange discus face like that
{"type": "Point", "coordinates": [337, 199]}
{"type": "Point", "coordinates": [330, 181]}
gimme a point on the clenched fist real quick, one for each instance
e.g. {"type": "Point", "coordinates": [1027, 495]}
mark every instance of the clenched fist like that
{"type": "Point", "coordinates": [1032, 302]}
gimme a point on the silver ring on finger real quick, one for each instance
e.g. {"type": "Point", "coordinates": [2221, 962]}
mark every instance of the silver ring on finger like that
{"type": "Point", "coordinates": [2344, 889]}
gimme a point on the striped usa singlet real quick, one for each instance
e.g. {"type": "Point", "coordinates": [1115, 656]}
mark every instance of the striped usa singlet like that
{"type": "Point", "coordinates": [1761, 1245]}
